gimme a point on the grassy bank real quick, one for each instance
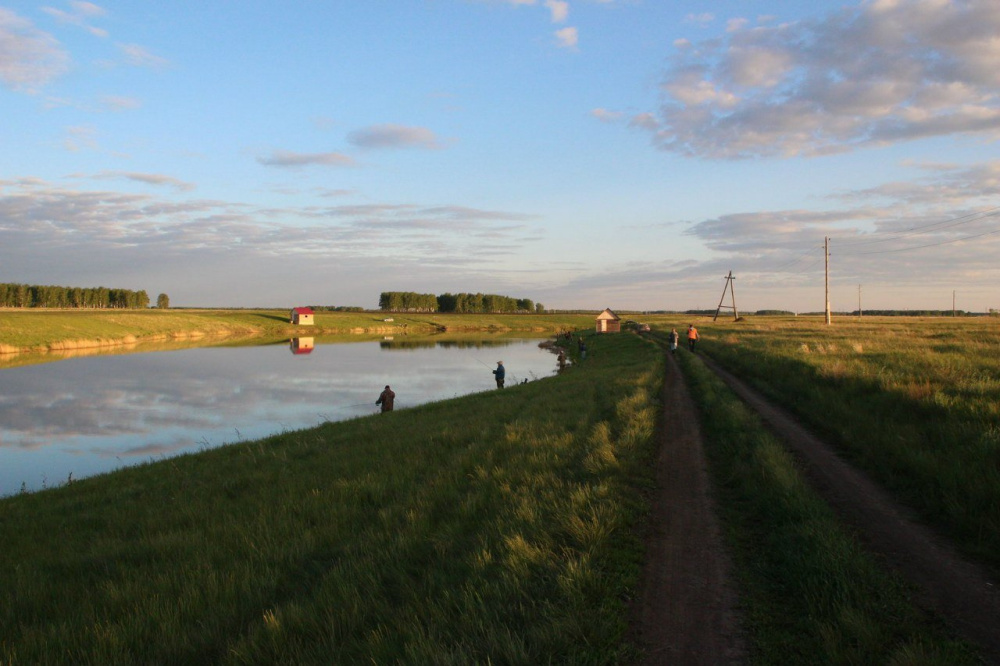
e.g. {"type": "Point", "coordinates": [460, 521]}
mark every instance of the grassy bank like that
{"type": "Point", "coordinates": [809, 593]}
{"type": "Point", "coordinates": [497, 527]}
{"type": "Point", "coordinates": [46, 330]}
{"type": "Point", "coordinates": [913, 402]}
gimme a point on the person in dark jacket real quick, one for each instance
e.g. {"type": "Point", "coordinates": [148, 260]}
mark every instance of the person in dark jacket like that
{"type": "Point", "coordinates": [385, 399]}
{"type": "Point", "coordinates": [499, 372]}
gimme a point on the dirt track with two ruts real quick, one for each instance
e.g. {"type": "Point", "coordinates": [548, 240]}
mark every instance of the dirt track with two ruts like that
{"type": "Point", "coordinates": [686, 611]}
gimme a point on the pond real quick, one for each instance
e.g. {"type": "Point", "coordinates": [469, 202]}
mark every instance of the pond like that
{"type": "Point", "coordinates": [84, 416]}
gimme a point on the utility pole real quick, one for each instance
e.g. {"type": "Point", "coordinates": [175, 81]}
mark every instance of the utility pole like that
{"type": "Point", "coordinates": [732, 290]}
{"type": "Point", "coordinates": [953, 303]}
{"type": "Point", "coordinates": [860, 313]}
{"type": "Point", "coordinates": [826, 256]}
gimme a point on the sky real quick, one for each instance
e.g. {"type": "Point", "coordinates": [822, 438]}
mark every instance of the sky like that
{"type": "Point", "coordinates": [580, 153]}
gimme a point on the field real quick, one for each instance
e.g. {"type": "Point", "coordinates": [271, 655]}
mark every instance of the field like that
{"type": "Point", "coordinates": [508, 526]}
{"type": "Point", "coordinates": [810, 592]}
{"type": "Point", "coordinates": [40, 330]}
{"type": "Point", "coordinates": [913, 402]}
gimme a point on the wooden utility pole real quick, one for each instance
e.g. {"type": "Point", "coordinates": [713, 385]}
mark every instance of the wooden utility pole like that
{"type": "Point", "coordinates": [732, 290]}
{"type": "Point", "coordinates": [860, 314]}
{"type": "Point", "coordinates": [826, 256]}
{"type": "Point", "coordinates": [953, 303]}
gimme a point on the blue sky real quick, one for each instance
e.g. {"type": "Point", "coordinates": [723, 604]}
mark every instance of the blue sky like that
{"type": "Point", "coordinates": [582, 153]}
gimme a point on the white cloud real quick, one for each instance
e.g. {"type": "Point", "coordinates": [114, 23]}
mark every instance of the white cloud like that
{"type": "Point", "coordinates": [146, 178]}
{"type": "Point", "coordinates": [559, 10]}
{"type": "Point", "coordinates": [80, 14]}
{"type": "Point", "coordinates": [288, 158]}
{"type": "Point", "coordinates": [873, 74]}
{"type": "Point", "coordinates": [604, 115]}
{"type": "Point", "coordinates": [119, 103]}
{"type": "Point", "coordinates": [81, 137]}
{"type": "Point", "coordinates": [704, 17]}
{"type": "Point", "coordinates": [51, 234]}
{"type": "Point", "coordinates": [567, 38]}
{"type": "Point", "coordinates": [29, 58]}
{"type": "Point", "coordinates": [394, 136]}
{"type": "Point", "coordinates": [139, 56]}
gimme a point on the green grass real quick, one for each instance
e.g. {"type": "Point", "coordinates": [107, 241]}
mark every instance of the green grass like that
{"type": "Point", "coordinates": [40, 330]}
{"type": "Point", "coordinates": [501, 527]}
{"type": "Point", "coordinates": [913, 402]}
{"type": "Point", "coordinates": [810, 594]}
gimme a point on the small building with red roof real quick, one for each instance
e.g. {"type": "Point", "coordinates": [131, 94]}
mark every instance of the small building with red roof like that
{"type": "Point", "coordinates": [302, 317]}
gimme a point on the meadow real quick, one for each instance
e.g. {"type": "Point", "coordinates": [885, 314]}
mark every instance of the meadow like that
{"type": "Point", "coordinates": [504, 526]}
{"type": "Point", "coordinates": [809, 591]}
{"type": "Point", "coordinates": [913, 402]}
{"type": "Point", "coordinates": [44, 330]}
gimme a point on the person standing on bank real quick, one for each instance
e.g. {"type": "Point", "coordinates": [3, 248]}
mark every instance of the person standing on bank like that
{"type": "Point", "coordinates": [499, 372]}
{"type": "Point", "coordinates": [385, 399]}
{"type": "Point", "coordinates": [673, 339]}
{"type": "Point", "coordinates": [692, 336]}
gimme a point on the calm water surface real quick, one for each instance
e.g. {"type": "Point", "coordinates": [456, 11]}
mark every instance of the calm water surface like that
{"type": "Point", "coordinates": [84, 416]}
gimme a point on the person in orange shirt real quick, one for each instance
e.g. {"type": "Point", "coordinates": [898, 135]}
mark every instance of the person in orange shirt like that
{"type": "Point", "coordinates": [692, 336]}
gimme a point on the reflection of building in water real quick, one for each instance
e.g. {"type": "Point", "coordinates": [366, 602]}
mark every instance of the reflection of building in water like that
{"type": "Point", "coordinates": [301, 345]}
{"type": "Point", "coordinates": [302, 317]}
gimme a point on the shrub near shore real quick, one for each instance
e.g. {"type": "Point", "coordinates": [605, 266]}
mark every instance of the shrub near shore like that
{"type": "Point", "coordinates": [499, 526]}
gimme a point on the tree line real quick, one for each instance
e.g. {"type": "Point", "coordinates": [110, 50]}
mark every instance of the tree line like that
{"type": "Point", "coordinates": [409, 301]}
{"type": "Point", "coordinates": [14, 295]}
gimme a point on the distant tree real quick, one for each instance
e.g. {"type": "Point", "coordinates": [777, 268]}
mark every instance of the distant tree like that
{"type": "Point", "coordinates": [539, 308]}
{"type": "Point", "coordinates": [163, 301]}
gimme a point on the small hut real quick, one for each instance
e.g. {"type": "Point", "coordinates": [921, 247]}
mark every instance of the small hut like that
{"type": "Point", "coordinates": [608, 322]}
{"type": "Point", "coordinates": [302, 317]}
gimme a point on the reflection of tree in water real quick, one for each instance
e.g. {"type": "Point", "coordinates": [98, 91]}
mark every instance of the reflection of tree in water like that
{"type": "Point", "coordinates": [446, 344]}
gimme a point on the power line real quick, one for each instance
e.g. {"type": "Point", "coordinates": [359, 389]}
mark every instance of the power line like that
{"type": "Point", "coordinates": [947, 242]}
{"type": "Point", "coordinates": [943, 224]}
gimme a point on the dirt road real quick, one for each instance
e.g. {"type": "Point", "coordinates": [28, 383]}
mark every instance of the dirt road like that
{"type": "Point", "coordinates": [959, 591]}
{"type": "Point", "coordinates": [686, 610]}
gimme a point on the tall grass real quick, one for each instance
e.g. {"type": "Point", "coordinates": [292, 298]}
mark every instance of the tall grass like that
{"type": "Point", "coordinates": [914, 402]}
{"type": "Point", "coordinates": [810, 594]}
{"type": "Point", "coordinates": [495, 528]}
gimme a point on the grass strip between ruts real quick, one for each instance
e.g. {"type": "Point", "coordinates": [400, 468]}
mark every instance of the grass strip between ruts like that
{"type": "Point", "coordinates": [810, 594]}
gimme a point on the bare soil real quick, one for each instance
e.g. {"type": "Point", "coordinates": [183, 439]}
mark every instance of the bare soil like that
{"type": "Point", "coordinates": [686, 609]}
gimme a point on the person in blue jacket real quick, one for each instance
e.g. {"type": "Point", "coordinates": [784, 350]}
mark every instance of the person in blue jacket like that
{"type": "Point", "coordinates": [499, 372]}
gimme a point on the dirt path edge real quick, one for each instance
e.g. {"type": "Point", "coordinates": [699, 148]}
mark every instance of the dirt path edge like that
{"type": "Point", "coordinates": [686, 607]}
{"type": "Point", "coordinates": [962, 592]}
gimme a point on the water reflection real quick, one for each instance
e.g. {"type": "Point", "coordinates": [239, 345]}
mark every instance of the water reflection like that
{"type": "Point", "coordinates": [92, 414]}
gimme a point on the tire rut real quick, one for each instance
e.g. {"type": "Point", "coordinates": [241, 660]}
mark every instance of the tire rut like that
{"type": "Point", "coordinates": [686, 606]}
{"type": "Point", "coordinates": [958, 590]}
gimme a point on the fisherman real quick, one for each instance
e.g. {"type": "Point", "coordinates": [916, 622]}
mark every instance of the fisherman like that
{"type": "Point", "coordinates": [499, 372]}
{"type": "Point", "coordinates": [385, 399]}
{"type": "Point", "coordinates": [692, 336]}
{"type": "Point", "coordinates": [561, 359]}
{"type": "Point", "coordinates": [582, 347]}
